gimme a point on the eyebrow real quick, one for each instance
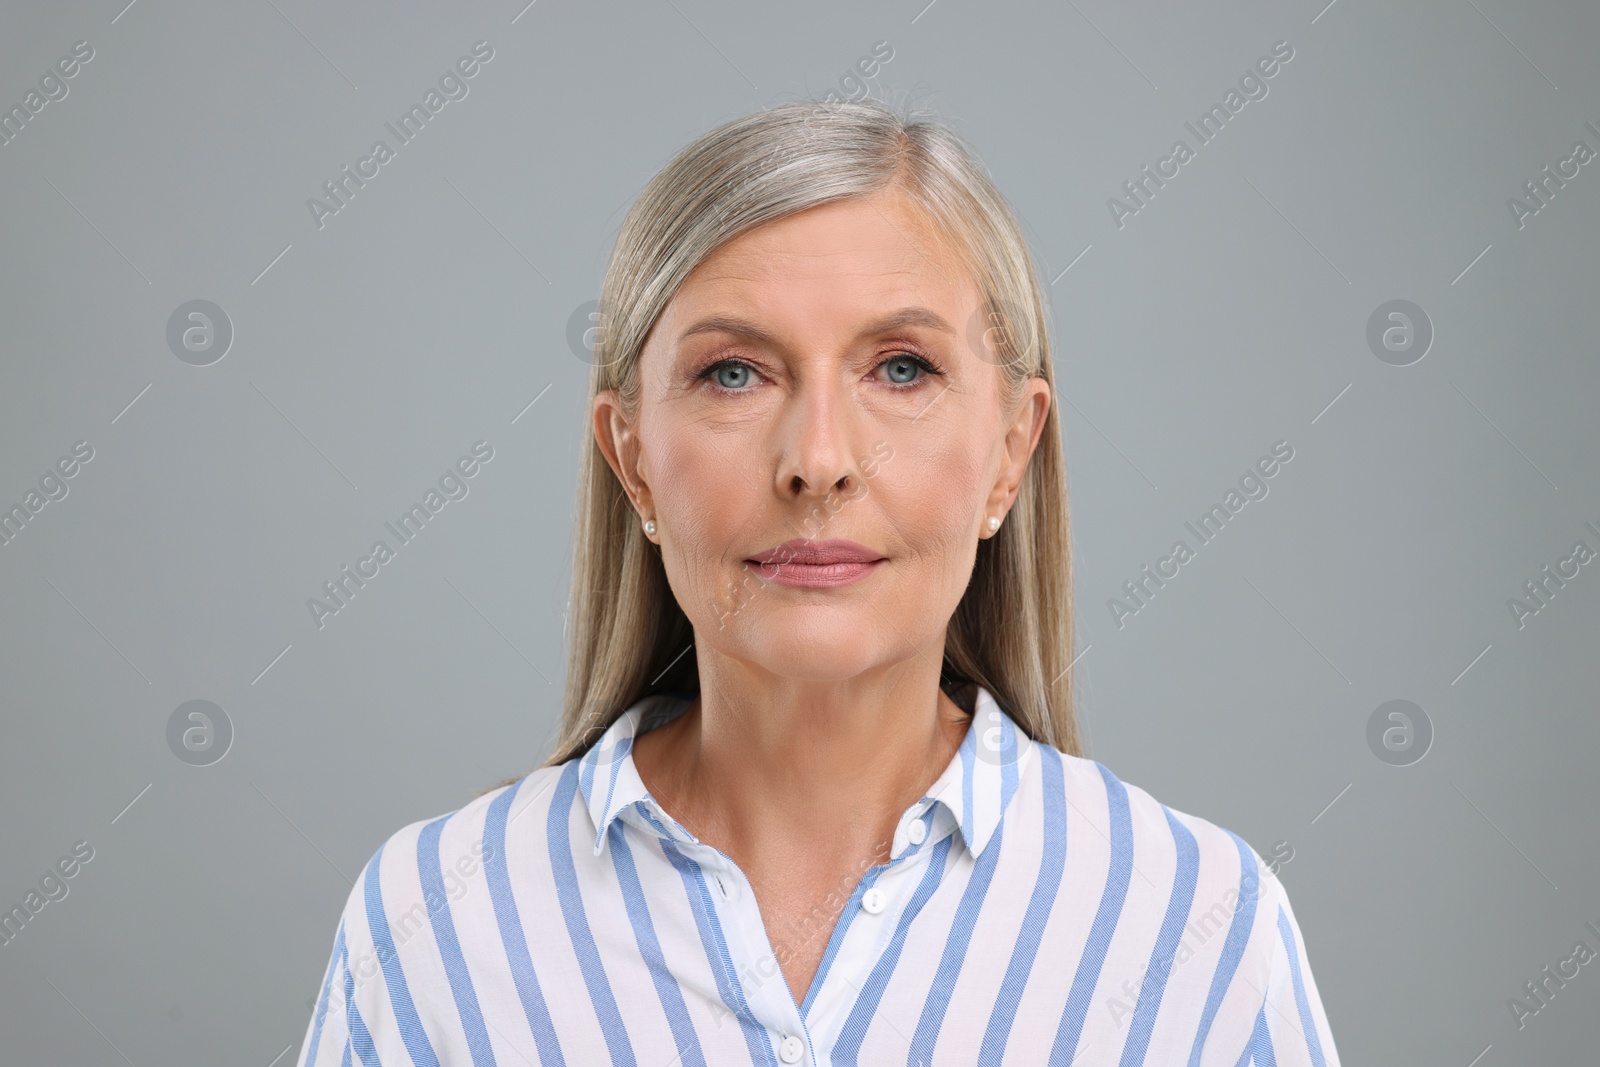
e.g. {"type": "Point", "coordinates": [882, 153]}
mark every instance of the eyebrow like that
{"type": "Point", "coordinates": [906, 316]}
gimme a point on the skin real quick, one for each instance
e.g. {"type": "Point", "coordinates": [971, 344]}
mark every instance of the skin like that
{"type": "Point", "coordinates": [820, 719]}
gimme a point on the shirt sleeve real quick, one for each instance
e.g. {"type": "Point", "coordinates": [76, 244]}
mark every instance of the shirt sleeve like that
{"type": "Point", "coordinates": [327, 1042]}
{"type": "Point", "coordinates": [350, 1024]}
{"type": "Point", "coordinates": [1291, 1027]}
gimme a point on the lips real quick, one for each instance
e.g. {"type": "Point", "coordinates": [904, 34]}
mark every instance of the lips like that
{"type": "Point", "coordinates": [817, 553]}
{"type": "Point", "coordinates": [817, 564]}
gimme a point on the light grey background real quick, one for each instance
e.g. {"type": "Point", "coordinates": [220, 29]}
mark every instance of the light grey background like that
{"type": "Point", "coordinates": [1228, 314]}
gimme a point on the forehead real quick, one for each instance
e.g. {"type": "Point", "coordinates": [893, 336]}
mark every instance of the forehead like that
{"type": "Point", "coordinates": [860, 253]}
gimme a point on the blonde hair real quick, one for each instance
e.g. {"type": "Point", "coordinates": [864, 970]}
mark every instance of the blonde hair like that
{"type": "Point", "coordinates": [1012, 630]}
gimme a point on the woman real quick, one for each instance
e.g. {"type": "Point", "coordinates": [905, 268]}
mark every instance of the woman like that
{"type": "Point", "coordinates": [817, 796]}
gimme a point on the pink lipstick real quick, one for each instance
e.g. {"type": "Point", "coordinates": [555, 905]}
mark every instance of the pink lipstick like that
{"type": "Point", "coordinates": [816, 564]}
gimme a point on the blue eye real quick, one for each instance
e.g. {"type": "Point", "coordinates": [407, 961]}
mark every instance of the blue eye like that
{"type": "Point", "coordinates": [731, 375]}
{"type": "Point", "coordinates": [903, 368]}
{"type": "Point", "coordinates": [905, 371]}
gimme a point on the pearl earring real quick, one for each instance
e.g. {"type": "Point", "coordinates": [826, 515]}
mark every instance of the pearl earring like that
{"type": "Point", "coordinates": [994, 523]}
{"type": "Point", "coordinates": [650, 527]}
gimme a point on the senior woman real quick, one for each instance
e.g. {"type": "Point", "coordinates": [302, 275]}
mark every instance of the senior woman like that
{"type": "Point", "coordinates": [818, 796]}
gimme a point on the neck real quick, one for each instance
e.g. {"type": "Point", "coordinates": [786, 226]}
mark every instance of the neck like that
{"type": "Point", "coordinates": [766, 766]}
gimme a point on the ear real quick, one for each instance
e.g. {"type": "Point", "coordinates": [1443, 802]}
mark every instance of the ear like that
{"type": "Point", "coordinates": [618, 439]}
{"type": "Point", "coordinates": [1021, 438]}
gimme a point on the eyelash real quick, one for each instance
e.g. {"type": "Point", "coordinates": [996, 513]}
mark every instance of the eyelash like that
{"type": "Point", "coordinates": [708, 375]}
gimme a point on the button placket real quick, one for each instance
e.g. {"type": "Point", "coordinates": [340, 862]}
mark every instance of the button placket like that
{"type": "Point", "coordinates": [874, 900]}
{"type": "Point", "coordinates": [870, 933]}
{"type": "Point", "coordinates": [766, 995]}
{"type": "Point", "coordinates": [915, 833]}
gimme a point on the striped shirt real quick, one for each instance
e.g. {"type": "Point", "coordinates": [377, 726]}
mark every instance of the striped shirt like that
{"type": "Point", "coordinates": [1034, 910]}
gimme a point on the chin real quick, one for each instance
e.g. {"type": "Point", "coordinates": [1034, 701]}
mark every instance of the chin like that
{"type": "Point", "coordinates": [829, 646]}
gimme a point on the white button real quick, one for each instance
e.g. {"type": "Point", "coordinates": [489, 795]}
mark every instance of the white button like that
{"type": "Point", "coordinates": [917, 831]}
{"type": "Point", "coordinates": [791, 1049]}
{"type": "Point", "coordinates": [873, 900]}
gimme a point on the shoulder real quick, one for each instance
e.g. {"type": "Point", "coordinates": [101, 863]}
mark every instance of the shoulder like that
{"type": "Point", "coordinates": [1131, 814]}
{"type": "Point", "coordinates": [1158, 895]}
{"type": "Point", "coordinates": [430, 896]}
{"type": "Point", "coordinates": [1133, 811]}
{"type": "Point", "coordinates": [479, 821]}
{"type": "Point", "coordinates": [425, 864]}
{"type": "Point", "coordinates": [1172, 869]}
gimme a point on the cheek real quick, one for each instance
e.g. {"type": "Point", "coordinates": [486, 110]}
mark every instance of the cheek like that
{"type": "Point", "coordinates": [704, 500]}
{"type": "Point", "coordinates": [930, 491]}
{"type": "Point", "coordinates": [688, 472]}
{"type": "Point", "coordinates": [926, 502]}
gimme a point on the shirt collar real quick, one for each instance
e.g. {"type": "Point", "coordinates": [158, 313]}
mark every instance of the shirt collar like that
{"type": "Point", "coordinates": [974, 790]}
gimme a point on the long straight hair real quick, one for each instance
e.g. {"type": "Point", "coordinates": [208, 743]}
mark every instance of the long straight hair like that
{"type": "Point", "coordinates": [1011, 633]}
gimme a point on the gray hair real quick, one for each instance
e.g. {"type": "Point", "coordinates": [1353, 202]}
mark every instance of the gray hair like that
{"type": "Point", "coordinates": [1012, 631]}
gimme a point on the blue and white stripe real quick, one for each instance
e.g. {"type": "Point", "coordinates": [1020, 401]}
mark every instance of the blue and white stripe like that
{"type": "Point", "coordinates": [1051, 914]}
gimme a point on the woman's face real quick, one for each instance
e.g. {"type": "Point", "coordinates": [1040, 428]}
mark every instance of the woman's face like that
{"type": "Point", "coordinates": [815, 380]}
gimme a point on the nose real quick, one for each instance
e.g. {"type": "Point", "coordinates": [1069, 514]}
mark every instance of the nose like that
{"type": "Point", "coordinates": [815, 441]}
